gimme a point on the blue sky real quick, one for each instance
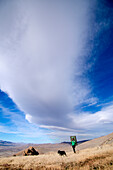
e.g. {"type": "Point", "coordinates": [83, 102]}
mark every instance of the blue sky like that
{"type": "Point", "coordinates": [55, 70]}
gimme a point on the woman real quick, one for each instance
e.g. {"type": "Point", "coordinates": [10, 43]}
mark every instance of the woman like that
{"type": "Point", "coordinates": [73, 143]}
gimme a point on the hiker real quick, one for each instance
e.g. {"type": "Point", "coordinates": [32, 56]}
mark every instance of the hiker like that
{"type": "Point", "coordinates": [73, 143]}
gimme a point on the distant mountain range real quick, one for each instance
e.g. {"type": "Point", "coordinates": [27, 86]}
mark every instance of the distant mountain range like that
{"type": "Point", "coordinates": [78, 142]}
{"type": "Point", "coordinates": [6, 143]}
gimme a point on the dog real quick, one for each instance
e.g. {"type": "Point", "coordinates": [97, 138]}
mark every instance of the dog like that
{"type": "Point", "coordinates": [62, 153]}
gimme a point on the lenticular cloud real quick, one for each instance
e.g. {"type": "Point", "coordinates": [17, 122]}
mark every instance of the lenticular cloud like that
{"type": "Point", "coordinates": [42, 56]}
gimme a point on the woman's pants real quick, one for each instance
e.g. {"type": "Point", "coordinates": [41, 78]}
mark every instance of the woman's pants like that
{"type": "Point", "coordinates": [73, 146]}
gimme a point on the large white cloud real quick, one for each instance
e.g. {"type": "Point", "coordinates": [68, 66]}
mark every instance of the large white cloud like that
{"type": "Point", "coordinates": [42, 57]}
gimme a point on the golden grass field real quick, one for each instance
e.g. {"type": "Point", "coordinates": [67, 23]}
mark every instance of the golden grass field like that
{"type": "Point", "coordinates": [97, 157]}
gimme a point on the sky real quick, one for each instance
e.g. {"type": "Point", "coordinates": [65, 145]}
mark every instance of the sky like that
{"type": "Point", "coordinates": [56, 74]}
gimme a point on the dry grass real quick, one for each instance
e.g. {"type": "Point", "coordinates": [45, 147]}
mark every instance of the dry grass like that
{"type": "Point", "coordinates": [91, 158]}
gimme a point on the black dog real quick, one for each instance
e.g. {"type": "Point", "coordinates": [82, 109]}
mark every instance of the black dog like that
{"type": "Point", "coordinates": [61, 153]}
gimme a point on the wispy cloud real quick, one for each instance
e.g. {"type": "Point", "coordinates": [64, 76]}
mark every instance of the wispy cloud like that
{"type": "Point", "coordinates": [19, 126]}
{"type": "Point", "coordinates": [88, 121]}
{"type": "Point", "coordinates": [59, 128]}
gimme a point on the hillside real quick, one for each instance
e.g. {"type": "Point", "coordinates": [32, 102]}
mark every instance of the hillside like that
{"type": "Point", "coordinates": [9, 148]}
{"type": "Point", "coordinates": [108, 139]}
{"type": "Point", "coordinates": [94, 154]}
{"type": "Point", "coordinates": [86, 159]}
{"type": "Point", "coordinates": [48, 148]}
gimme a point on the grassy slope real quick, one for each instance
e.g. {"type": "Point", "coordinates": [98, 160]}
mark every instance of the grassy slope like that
{"type": "Point", "coordinates": [94, 154]}
{"type": "Point", "coordinates": [91, 158]}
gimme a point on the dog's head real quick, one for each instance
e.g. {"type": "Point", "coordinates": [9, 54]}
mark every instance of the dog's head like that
{"type": "Point", "coordinates": [58, 151]}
